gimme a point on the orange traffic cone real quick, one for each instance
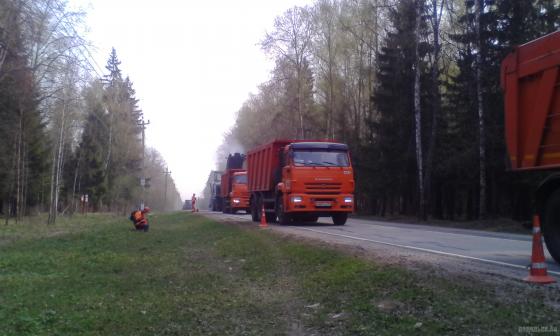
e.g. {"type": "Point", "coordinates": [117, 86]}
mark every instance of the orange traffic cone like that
{"type": "Point", "coordinates": [538, 272]}
{"type": "Point", "coordinates": [263, 218]}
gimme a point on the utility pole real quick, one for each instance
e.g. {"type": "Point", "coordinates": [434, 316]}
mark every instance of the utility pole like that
{"type": "Point", "coordinates": [143, 124]}
{"type": "Point", "coordinates": [167, 172]}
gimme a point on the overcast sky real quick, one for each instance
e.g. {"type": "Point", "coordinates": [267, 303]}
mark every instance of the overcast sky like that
{"type": "Point", "coordinates": [193, 63]}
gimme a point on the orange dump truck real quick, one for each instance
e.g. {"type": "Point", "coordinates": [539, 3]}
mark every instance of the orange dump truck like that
{"type": "Point", "coordinates": [299, 180]}
{"type": "Point", "coordinates": [531, 83]}
{"type": "Point", "coordinates": [235, 196]}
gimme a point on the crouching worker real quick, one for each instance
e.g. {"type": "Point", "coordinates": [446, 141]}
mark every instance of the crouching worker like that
{"type": "Point", "coordinates": [138, 218]}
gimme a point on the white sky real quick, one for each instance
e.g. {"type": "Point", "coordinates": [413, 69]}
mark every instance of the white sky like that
{"type": "Point", "coordinates": [193, 63]}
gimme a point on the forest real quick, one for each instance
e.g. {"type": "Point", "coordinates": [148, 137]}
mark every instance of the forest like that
{"type": "Point", "coordinates": [413, 87]}
{"type": "Point", "coordinates": [68, 128]}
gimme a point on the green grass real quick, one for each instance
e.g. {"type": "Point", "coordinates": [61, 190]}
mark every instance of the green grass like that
{"type": "Point", "coordinates": [192, 276]}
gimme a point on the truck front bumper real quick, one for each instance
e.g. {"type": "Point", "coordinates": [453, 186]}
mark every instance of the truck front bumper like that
{"type": "Point", "coordinates": [320, 203]}
{"type": "Point", "coordinates": [239, 203]}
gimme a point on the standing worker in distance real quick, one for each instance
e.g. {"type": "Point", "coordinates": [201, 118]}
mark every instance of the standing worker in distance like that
{"type": "Point", "coordinates": [193, 203]}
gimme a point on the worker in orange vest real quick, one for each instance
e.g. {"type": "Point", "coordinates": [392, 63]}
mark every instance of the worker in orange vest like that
{"type": "Point", "coordinates": [139, 219]}
{"type": "Point", "coordinates": [193, 202]}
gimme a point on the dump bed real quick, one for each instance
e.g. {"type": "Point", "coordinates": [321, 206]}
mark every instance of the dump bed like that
{"type": "Point", "coordinates": [531, 87]}
{"type": "Point", "coordinates": [262, 163]}
{"type": "Point", "coordinates": [226, 181]}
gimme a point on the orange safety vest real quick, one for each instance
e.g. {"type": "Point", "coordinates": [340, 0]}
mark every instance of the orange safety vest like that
{"type": "Point", "coordinates": [137, 215]}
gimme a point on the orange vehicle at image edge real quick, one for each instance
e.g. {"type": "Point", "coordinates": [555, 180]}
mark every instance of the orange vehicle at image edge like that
{"type": "Point", "coordinates": [530, 79]}
{"type": "Point", "coordinates": [235, 196]}
{"type": "Point", "coordinates": [301, 180]}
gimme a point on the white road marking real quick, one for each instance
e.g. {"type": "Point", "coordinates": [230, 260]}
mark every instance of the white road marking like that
{"type": "Point", "coordinates": [426, 250]}
{"type": "Point", "coordinates": [446, 232]}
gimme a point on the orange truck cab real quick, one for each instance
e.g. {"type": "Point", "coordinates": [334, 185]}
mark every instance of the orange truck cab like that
{"type": "Point", "coordinates": [234, 191]}
{"type": "Point", "coordinates": [299, 180]}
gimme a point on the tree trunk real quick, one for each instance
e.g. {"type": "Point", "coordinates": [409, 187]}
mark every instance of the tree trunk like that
{"type": "Point", "coordinates": [57, 170]}
{"type": "Point", "coordinates": [480, 105]}
{"type": "Point", "coordinates": [18, 166]}
{"type": "Point", "coordinates": [73, 200]}
{"type": "Point", "coordinates": [299, 101]}
{"type": "Point", "coordinates": [50, 220]}
{"type": "Point", "coordinates": [436, 100]}
{"type": "Point", "coordinates": [418, 116]}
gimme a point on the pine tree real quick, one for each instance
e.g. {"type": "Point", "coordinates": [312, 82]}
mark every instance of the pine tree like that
{"type": "Point", "coordinates": [93, 149]}
{"type": "Point", "coordinates": [23, 148]}
{"type": "Point", "coordinates": [114, 78]}
{"type": "Point", "coordinates": [394, 144]}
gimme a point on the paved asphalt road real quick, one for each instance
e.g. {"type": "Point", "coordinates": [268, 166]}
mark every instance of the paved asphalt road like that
{"type": "Point", "coordinates": [507, 250]}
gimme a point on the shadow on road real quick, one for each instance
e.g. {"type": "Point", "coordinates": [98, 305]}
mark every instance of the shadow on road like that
{"type": "Point", "coordinates": [310, 224]}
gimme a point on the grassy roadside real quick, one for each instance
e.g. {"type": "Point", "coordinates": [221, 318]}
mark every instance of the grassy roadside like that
{"type": "Point", "coordinates": [192, 276]}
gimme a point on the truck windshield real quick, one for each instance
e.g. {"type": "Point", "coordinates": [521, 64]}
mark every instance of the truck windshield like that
{"type": "Point", "coordinates": [240, 179]}
{"type": "Point", "coordinates": [321, 158]}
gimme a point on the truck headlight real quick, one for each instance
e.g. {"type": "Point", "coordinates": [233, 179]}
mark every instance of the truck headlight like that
{"type": "Point", "coordinates": [348, 199]}
{"type": "Point", "coordinates": [297, 199]}
{"type": "Point", "coordinates": [236, 201]}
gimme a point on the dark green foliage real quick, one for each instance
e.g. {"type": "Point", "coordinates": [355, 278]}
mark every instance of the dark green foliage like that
{"type": "Point", "coordinates": [92, 152]}
{"type": "Point", "coordinates": [392, 151]}
{"type": "Point", "coordinates": [24, 143]}
{"type": "Point", "coordinates": [386, 164]}
{"type": "Point", "coordinates": [504, 24]}
{"type": "Point", "coordinates": [109, 154]}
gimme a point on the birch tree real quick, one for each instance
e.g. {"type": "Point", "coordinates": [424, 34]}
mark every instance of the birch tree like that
{"type": "Point", "coordinates": [65, 119]}
{"type": "Point", "coordinates": [418, 111]}
{"type": "Point", "coordinates": [291, 40]}
{"type": "Point", "coordinates": [326, 46]}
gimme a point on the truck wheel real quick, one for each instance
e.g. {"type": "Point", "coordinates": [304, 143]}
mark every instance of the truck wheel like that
{"type": "Point", "coordinates": [551, 225]}
{"type": "Point", "coordinates": [339, 218]}
{"type": "Point", "coordinates": [255, 214]}
{"type": "Point", "coordinates": [270, 217]}
{"type": "Point", "coordinates": [283, 218]}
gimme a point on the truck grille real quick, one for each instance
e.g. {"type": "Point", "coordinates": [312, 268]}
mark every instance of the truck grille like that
{"type": "Point", "coordinates": [323, 188]}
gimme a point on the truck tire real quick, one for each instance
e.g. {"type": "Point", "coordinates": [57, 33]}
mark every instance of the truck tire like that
{"type": "Point", "coordinates": [270, 217]}
{"type": "Point", "coordinates": [283, 218]}
{"type": "Point", "coordinates": [340, 218]}
{"type": "Point", "coordinates": [551, 225]}
{"type": "Point", "coordinates": [255, 214]}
